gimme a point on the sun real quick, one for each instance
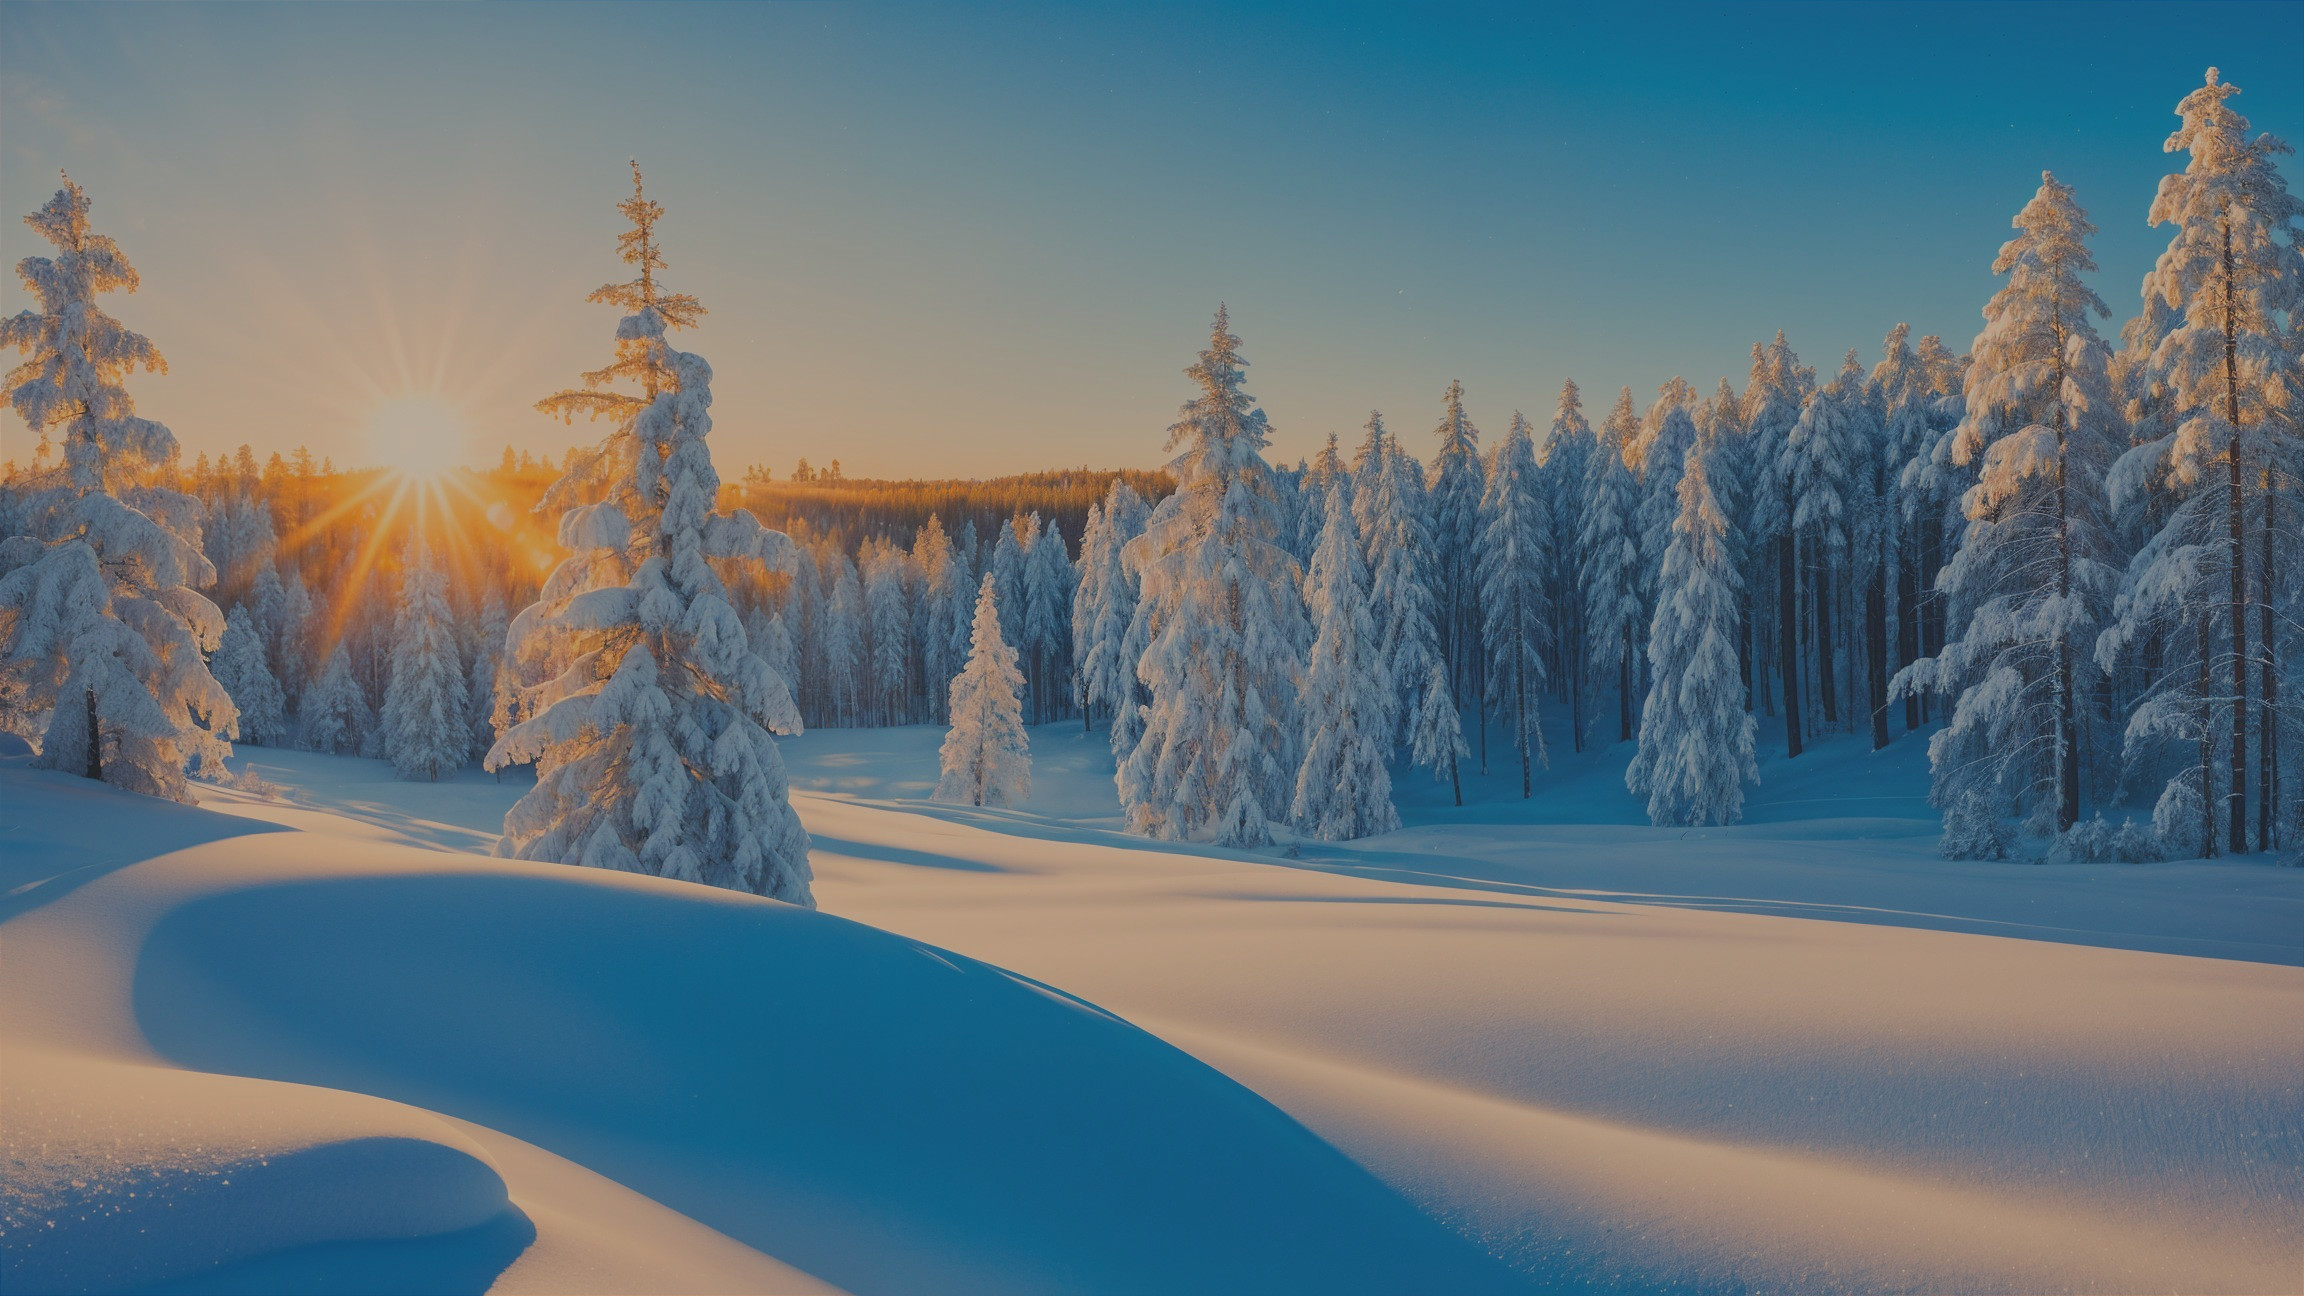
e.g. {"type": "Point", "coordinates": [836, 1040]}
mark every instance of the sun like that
{"type": "Point", "coordinates": [417, 436]}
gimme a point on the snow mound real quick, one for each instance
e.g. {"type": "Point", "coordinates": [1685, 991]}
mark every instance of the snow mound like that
{"type": "Point", "coordinates": [122, 1175]}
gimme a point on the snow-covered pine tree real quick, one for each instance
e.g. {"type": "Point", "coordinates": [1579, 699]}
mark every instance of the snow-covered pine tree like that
{"type": "Point", "coordinates": [1222, 616]}
{"type": "Point", "coordinates": [1515, 565]}
{"type": "Point", "coordinates": [1007, 572]}
{"type": "Point", "coordinates": [2033, 578]}
{"type": "Point", "coordinates": [1609, 548]}
{"type": "Point", "coordinates": [239, 666]}
{"type": "Point", "coordinates": [1396, 544]}
{"type": "Point", "coordinates": [652, 748]}
{"type": "Point", "coordinates": [2228, 364]}
{"type": "Point", "coordinates": [985, 759]}
{"type": "Point", "coordinates": [103, 640]}
{"type": "Point", "coordinates": [1453, 521]}
{"type": "Point", "coordinates": [1343, 788]}
{"type": "Point", "coordinates": [1104, 606]}
{"type": "Point", "coordinates": [1320, 476]}
{"type": "Point", "coordinates": [841, 629]}
{"type": "Point", "coordinates": [1673, 435]}
{"type": "Point", "coordinates": [1819, 462]}
{"type": "Point", "coordinates": [1048, 582]}
{"type": "Point", "coordinates": [426, 734]}
{"type": "Point", "coordinates": [888, 611]}
{"type": "Point", "coordinates": [1778, 388]}
{"type": "Point", "coordinates": [336, 716]}
{"type": "Point", "coordinates": [1695, 735]}
{"type": "Point", "coordinates": [932, 554]}
{"type": "Point", "coordinates": [487, 666]}
{"type": "Point", "coordinates": [1436, 732]}
{"type": "Point", "coordinates": [1564, 458]}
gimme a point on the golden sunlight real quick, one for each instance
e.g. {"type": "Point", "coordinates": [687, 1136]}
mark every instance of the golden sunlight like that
{"type": "Point", "coordinates": [417, 436]}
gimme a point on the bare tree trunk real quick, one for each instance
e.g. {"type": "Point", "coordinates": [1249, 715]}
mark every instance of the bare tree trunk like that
{"type": "Point", "coordinates": [1788, 640]}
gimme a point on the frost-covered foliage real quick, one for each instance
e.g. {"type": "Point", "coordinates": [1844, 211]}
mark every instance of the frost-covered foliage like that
{"type": "Point", "coordinates": [651, 741]}
{"type": "Point", "coordinates": [336, 715]}
{"type": "Point", "coordinates": [1396, 543]}
{"type": "Point", "coordinates": [102, 637]}
{"type": "Point", "coordinates": [985, 759]}
{"type": "Point", "coordinates": [1695, 736]}
{"type": "Point", "coordinates": [1515, 565]}
{"type": "Point", "coordinates": [1104, 605]}
{"type": "Point", "coordinates": [2032, 581]}
{"type": "Point", "coordinates": [239, 667]}
{"type": "Point", "coordinates": [1609, 546]}
{"type": "Point", "coordinates": [1222, 620]}
{"type": "Point", "coordinates": [1343, 788]}
{"type": "Point", "coordinates": [426, 734]}
{"type": "Point", "coordinates": [1972, 829]}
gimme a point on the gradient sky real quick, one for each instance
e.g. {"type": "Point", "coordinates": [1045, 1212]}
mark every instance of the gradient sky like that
{"type": "Point", "coordinates": [975, 240]}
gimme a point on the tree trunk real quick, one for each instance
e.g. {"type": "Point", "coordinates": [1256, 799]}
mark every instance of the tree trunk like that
{"type": "Point", "coordinates": [1876, 650]}
{"type": "Point", "coordinates": [1520, 711]}
{"type": "Point", "coordinates": [2207, 752]}
{"type": "Point", "coordinates": [95, 764]}
{"type": "Point", "coordinates": [2268, 713]}
{"type": "Point", "coordinates": [2238, 796]}
{"type": "Point", "coordinates": [1624, 691]}
{"type": "Point", "coordinates": [1907, 619]}
{"type": "Point", "coordinates": [1788, 640]}
{"type": "Point", "coordinates": [2067, 718]}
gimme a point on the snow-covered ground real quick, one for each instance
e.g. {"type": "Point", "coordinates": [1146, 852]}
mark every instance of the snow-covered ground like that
{"type": "Point", "coordinates": [1513, 1045]}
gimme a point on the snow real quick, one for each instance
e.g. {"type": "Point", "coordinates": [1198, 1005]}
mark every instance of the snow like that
{"type": "Point", "coordinates": [1799, 1053]}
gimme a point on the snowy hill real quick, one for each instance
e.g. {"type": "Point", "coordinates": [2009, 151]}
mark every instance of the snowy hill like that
{"type": "Point", "coordinates": [315, 1041]}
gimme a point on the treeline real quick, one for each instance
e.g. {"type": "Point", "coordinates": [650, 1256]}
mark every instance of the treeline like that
{"type": "Point", "coordinates": [851, 508]}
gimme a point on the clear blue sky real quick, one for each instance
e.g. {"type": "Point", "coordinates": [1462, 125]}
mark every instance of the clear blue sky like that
{"type": "Point", "coordinates": [978, 239]}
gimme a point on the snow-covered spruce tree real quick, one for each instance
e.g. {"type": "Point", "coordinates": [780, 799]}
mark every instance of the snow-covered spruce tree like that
{"type": "Point", "coordinates": [1900, 393]}
{"type": "Point", "coordinates": [1695, 735]}
{"type": "Point", "coordinates": [2033, 578]}
{"type": "Point", "coordinates": [1396, 544]}
{"type": "Point", "coordinates": [985, 758]}
{"type": "Point", "coordinates": [1222, 616]}
{"type": "Point", "coordinates": [1343, 788]}
{"type": "Point", "coordinates": [2228, 365]}
{"type": "Point", "coordinates": [426, 733]}
{"type": "Point", "coordinates": [102, 637]}
{"type": "Point", "coordinates": [1609, 547]}
{"type": "Point", "coordinates": [652, 747]}
{"type": "Point", "coordinates": [336, 717]}
{"type": "Point", "coordinates": [1514, 567]}
{"type": "Point", "coordinates": [1009, 552]}
{"type": "Point", "coordinates": [239, 667]}
{"type": "Point", "coordinates": [1453, 520]}
{"type": "Point", "coordinates": [840, 627]}
{"type": "Point", "coordinates": [1436, 732]}
{"type": "Point", "coordinates": [1564, 457]}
